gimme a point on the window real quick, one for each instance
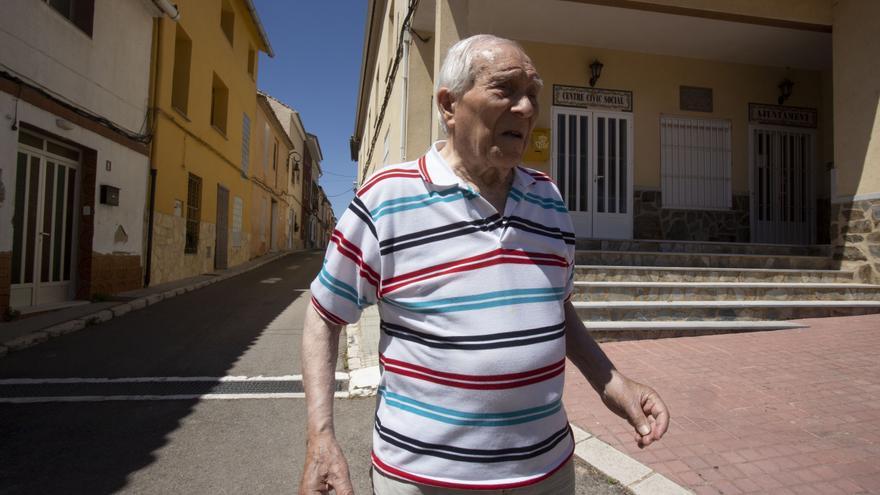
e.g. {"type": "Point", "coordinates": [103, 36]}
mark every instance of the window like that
{"type": "Point", "coordinates": [237, 212]}
{"type": "Point", "coordinates": [695, 163]}
{"type": "Point", "coordinates": [275, 155]}
{"type": "Point", "coordinates": [266, 134]}
{"type": "Point", "coordinates": [245, 144]}
{"type": "Point", "coordinates": [80, 12]}
{"type": "Point", "coordinates": [193, 213]}
{"type": "Point", "coordinates": [180, 76]}
{"type": "Point", "coordinates": [252, 62]}
{"type": "Point", "coordinates": [219, 102]}
{"type": "Point", "coordinates": [227, 20]}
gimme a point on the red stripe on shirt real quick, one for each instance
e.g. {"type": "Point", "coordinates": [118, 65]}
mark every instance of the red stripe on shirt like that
{"type": "Point", "coordinates": [389, 362]}
{"type": "Point", "coordinates": [502, 256]}
{"type": "Point", "coordinates": [326, 314]}
{"type": "Point", "coordinates": [352, 252]}
{"type": "Point", "coordinates": [423, 166]}
{"type": "Point", "coordinates": [388, 175]}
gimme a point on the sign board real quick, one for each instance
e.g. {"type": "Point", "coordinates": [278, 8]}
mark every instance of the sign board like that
{"type": "Point", "coordinates": [695, 99]}
{"type": "Point", "coordinates": [781, 115]}
{"type": "Point", "coordinates": [598, 99]}
{"type": "Point", "coordinates": [539, 146]}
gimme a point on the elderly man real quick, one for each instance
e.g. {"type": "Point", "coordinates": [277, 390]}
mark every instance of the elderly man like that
{"type": "Point", "coordinates": [470, 257]}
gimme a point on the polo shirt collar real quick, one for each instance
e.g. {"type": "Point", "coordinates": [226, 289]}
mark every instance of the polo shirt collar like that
{"type": "Point", "coordinates": [436, 171]}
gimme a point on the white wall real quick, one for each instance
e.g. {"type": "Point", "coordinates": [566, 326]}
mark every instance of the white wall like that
{"type": "Point", "coordinates": [129, 172]}
{"type": "Point", "coordinates": [107, 74]}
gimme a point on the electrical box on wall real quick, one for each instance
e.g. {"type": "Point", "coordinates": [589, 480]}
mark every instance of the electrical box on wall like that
{"type": "Point", "coordinates": [109, 195]}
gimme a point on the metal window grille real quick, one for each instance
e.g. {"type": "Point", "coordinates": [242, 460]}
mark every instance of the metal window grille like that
{"type": "Point", "coordinates": [245, 143]}
{"type": "Point", "coordinates": [193, 213]}
{"type": "Point", "coordinates": [695, 163]}
{"type": "Point", "coordinates": [237, 212]}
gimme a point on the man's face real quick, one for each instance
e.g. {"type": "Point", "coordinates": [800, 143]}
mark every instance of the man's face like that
{"type": "Point", "coordinates": [492, 121]}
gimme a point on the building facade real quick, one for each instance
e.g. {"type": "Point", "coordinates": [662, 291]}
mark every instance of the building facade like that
{"type": "Point", "coordinates": [311, 200]}
{"type": "Point", "coordinates": [203, 149]}
{"type": "Point", "coordinates": [293, 127]}
{"type": "Point", "coordinates": [270, 183]}
{"type": "Point", "coordinates": [678, 120]}
{"type": "Point", "coordinates": [74, 92]}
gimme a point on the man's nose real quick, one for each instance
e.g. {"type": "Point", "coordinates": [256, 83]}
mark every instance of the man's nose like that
{"type": "Point", "coordinates": [524, 107]}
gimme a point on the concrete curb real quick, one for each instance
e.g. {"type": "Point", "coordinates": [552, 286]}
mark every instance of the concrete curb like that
{"type": "Point", "coordinates": [634, 475]}
{"type": "Point", "coordinates": [58, 329]}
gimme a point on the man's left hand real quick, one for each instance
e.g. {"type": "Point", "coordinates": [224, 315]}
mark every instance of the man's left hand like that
{"type": "Point", "coordinates": [640, 405]}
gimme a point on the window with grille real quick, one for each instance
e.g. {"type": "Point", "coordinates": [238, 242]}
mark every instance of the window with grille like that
{"type": "Point", "coordinates": [80, 12]}
{"type": "Point", "coordinates": [237, 212]}
{"type": "Point", "coordinates": [695, 162]}
{"type": "Point", "coordinates": [193, 213]}
{"type": "Point", "coordinates": [245, 144]}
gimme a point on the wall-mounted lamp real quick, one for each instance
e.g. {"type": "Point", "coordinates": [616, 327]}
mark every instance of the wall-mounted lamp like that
{"type": "Point", "coordinates": [595, 72]}
{"type": "Point", "coordinates": [294, 157]}
{"type": "Point", "coordinates": [64, 124]}
{"type": "Point", "coordinates": [785, 90]}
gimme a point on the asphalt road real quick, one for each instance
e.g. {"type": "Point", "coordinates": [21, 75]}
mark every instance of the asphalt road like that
{"type": "Point", "coordinates": [242, 329]}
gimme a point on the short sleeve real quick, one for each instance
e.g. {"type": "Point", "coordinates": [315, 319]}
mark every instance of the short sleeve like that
{"type": "Point", "coordinates": [349, 278]}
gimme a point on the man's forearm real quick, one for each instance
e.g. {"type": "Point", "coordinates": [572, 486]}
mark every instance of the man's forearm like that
{"type": "Point", "coordinates": [585, 353]}
{"type": "Point", "coordinates": [319, 352]}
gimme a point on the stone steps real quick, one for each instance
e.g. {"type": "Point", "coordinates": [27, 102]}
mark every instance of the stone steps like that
{"type": "Point", "coordinates": [612, 331]}
{"type": "Point", "coordinates": [700, 247]}
{"type": "Point", "coordinates": [620, 311]}
{"type": "Point", "coordinates": [703, 260]}
{"type": "Point", "coordinates": [608, 273]}
{"type": "Point", "coordinates": [719, 291]}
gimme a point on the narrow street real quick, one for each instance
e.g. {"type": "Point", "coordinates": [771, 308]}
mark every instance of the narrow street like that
{"type": "Point", "coordinates": [196, 394]}
{"type": "Point", "coordinates": [248, 326]}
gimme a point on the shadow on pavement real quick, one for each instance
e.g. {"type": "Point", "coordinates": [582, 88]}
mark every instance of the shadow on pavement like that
{"type": "Point", "coordinates": [93, 447]}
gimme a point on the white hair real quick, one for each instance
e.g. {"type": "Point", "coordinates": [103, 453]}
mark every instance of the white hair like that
{"type": "Point", "coordinates": [458, 73]}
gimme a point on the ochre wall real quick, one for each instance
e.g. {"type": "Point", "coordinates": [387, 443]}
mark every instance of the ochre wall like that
{"type": "Point", "coordinates": [190, 144]}
{"type": "Point", "coordinates": [808, 11]}
{"type": "Point", "coordinates": [857, 97]}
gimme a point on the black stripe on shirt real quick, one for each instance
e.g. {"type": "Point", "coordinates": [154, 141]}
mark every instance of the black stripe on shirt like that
{"type": "Point", "coordinates": [477, 342]}
{"type": "Point", "coordinates": [360, 209]}
{"type": "Point", "coordinates": [471, 455]}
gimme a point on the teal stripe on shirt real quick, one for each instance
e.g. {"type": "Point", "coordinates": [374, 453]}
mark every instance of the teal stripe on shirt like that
{"type": "Point", "coordinates": [483, 301]}
{"type": "Point", "coordinates": [461, 418]}
{"type": "Point", "coordinates": [426, 200]}
{"type": "Point", "coordinates": [546, 203]}
{"type": "Point", "coordinates": [340, 288]}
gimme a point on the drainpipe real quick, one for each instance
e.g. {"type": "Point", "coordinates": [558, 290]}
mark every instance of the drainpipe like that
{"type": "Point", "coordinates": [404, 93]}
{"type": "Point", "coordinates": [148, 264]}
{"type": "Point", "coordinates": [168, 8]}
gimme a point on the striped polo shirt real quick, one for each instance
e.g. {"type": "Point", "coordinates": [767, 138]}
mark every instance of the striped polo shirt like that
{"type": "Point", "coordinates": [472, 344]}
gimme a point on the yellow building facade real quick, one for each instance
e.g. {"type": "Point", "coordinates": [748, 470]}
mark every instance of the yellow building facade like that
{"type": "Point", "coordinates": [690, 120]}
{"type": "Point", "coordinates": [271, 201]}
{"type": "Point", "coordinates": [205, 108]}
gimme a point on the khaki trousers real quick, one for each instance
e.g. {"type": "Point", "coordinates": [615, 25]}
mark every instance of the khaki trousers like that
{"type": "Point", "coordinates": [560, 483]}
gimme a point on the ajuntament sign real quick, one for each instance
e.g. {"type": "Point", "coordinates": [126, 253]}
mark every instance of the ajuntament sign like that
{"type": "Point", "coordinates": [782, 115]}
{"type": "Point", "coordinates": [594, 98]}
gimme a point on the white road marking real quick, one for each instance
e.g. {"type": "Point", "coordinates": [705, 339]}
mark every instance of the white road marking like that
{"type": "Point", "coordinates": [110, 398]}
{"type": "Point", "coordinates": [160, 379]}
{"type": "Point", "coordinates": [273, 280]}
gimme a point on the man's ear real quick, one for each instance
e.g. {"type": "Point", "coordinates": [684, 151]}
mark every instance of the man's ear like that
{"type": "Point", "coordinates": [446, 106]}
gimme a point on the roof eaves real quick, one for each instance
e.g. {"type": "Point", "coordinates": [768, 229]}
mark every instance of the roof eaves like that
{"type": "Point", "coordinates": [267, 47]}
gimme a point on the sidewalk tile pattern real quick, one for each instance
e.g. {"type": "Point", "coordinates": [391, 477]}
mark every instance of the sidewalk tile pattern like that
{"type": "Point", "coordinates": [787, 411]}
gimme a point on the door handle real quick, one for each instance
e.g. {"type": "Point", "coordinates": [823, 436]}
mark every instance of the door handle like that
{"type": "Point", "coordinates": [45, 234]}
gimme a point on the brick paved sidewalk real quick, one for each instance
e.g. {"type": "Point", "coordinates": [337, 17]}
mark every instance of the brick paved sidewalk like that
{"type": "Point", "coordinates": [788, 411]}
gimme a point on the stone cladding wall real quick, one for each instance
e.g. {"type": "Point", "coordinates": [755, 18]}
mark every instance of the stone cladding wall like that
{"type": "Point", "coordinates": [171, 263]}
{"type": "Point", "coordinates": [855, 234]}
{"type": "Point", "coordinates": [651, 221]}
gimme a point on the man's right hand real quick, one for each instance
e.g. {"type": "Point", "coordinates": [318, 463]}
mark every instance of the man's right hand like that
{"type": "Point", "coordinates": [326, 468]}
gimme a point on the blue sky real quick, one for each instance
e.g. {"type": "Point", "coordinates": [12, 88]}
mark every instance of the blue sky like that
{"type": "Point", "coordinates": [316, 70]}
